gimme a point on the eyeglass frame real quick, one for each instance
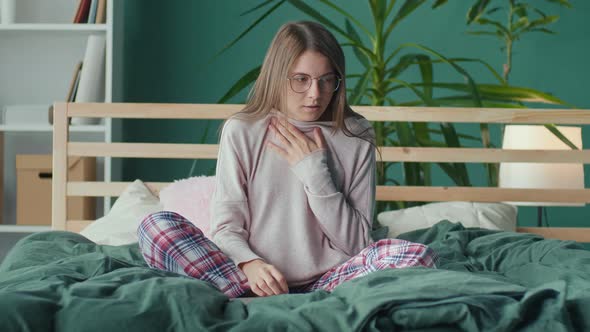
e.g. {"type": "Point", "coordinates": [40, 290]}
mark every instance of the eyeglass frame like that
{"type": "Point", "coordinates": [338, 78]}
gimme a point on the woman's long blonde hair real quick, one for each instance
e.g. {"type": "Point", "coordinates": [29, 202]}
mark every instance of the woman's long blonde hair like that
{"type": "Point", "coordinates": [292, 40]}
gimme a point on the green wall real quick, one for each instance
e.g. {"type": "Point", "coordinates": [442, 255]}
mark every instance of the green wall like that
{"type": "Point", "coordinates": [169, 54]}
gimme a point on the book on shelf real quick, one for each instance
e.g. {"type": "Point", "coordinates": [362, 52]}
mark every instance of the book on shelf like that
{"type": "Point", "coordinates": [101, 12]}
{"type": "Point", "coordinates": [91, 85]}
{"type": "Point", "coordinates": [73, 88]}
{"type": "Point", "coordinates": [81, 15]}
{"type": "Point", "coordinates": [90, 11]}
{"type": "Point", "coordinates": [70, 97]}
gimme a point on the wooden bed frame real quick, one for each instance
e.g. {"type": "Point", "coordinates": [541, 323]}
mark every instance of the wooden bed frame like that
{"type": "Point", "coordinates": [63, 148]}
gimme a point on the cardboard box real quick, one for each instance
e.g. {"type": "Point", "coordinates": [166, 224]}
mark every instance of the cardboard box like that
{"type": "Point", "coordinates": [33, 189]}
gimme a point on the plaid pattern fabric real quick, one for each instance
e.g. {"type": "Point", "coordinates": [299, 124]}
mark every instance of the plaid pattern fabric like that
{"type": "Point", "coordinates": [170, 242]}
{"type": "Point", "coordinates": [381, 255]}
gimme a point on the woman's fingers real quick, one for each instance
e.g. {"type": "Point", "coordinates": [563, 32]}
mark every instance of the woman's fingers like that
{"type": "Point", "coordinates": [256, 290]}
{"type": "Point", "coordinates": [279, 134]}
{"type": "Point", "coordinates": [269, 284]}
{"type": "Point", "coordinates": [273, 285]}
{"type": "Point", "coordinates": [301, 137]}
{"type": "Point", "coordinates": [264, 288]}
{"type": "Point", "coordinates": [277, 148]}
{"type": "Point", "coordinates": [280, 279]}
{"type": "Point", "coordinates": [284, 130]}
{"type": "Point", "coordinates": [295, 145]}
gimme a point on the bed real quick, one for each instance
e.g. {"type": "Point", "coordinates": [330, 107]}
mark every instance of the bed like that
{"type": "Point", "coordinates": [532, 279]}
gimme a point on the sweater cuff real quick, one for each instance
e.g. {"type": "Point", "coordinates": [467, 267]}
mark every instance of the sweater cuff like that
{"type": "Point", "coordinates": [313, 172]}
{"type": "Point", "coordinates": [240, 253]}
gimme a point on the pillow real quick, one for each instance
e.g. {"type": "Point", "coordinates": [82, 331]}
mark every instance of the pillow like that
{"type": "Point", "coordinates": [497, 216]}
{"type": "Point", "coordinates": [119, 226]}
{"type": "Point", "coordinates": [190, 198]}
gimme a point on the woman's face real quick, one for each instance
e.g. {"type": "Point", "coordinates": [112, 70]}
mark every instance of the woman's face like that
{"type": "Point", "coordinates": [313, 70]}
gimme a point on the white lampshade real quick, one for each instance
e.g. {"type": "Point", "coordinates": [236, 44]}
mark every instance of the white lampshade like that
{"type": "Point", "coordinates": [541, 175]}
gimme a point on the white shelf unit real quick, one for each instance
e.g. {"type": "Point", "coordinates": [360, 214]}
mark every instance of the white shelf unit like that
{"type": "Point", "coordinates": [39, 50]}
{"type": "Point", "coordinates": [66, 27]}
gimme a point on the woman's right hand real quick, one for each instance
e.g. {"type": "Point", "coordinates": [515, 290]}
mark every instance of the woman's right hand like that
{"type": "Point", "coordinates": [264, 279]}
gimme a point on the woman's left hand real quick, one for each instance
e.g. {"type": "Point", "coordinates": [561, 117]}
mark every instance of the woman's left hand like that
{"type": "Point", "coordinates": [295, 144]}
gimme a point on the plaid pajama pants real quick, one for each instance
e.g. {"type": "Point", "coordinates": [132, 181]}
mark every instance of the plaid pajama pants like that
{"type": "Point", "coordinates": [170, 242]}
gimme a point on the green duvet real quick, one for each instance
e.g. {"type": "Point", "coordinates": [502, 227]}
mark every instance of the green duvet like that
{"type": "Point", "coordinates": [487, 280]}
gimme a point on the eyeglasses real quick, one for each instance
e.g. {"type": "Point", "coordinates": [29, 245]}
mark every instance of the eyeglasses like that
{"type": "Point", "coordinates": [302, 82]}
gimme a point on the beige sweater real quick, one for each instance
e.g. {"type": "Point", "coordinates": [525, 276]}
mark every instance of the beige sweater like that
{"type": "Point", "coordinates": [303, 219]}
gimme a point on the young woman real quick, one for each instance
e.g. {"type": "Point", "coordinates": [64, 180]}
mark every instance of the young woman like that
{"type": "Point", "coordinates": [295, 185]}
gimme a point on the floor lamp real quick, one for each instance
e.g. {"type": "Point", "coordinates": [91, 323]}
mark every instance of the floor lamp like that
{"type": "Point", "coordinates": [540, 175]}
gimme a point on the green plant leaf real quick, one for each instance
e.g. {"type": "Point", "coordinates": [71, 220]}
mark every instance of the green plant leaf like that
{"type": "Point", "coordinates": [491, 168]}
{"type": "Point", "coordinates": [552, 128]}
{"type": "Point", "coordinates": [439, 3]}
{"type": "Point", "coordinates": [520, 23]}
{"type": "Point", "coordinates": [485, 64]}
{"type": "Point", "coordinates": [451, 172]}
{"type": "Point", "coordinates": [241, 84]}
{"type": "Point", "coordinates": [360, 88]}
{"type": "Point", "coordinates": [422, 133]}
{"type": "Point", "coordinates": [461, 101]}
{"type": "Point", "coordinates": [348, 16]}
{"type": "Point", "coordinates": [362, 57]}
{"type": "Point", "coordinates": [426, 73]}
{"type": "Point", "coordinates": [476, 10]}
{"type": "Point", "coordinates": [496, 33]}
{"type": "Point", "coordinates": [245, 32]}
{"type": "Point", "coordinates": [378, 9]}
{"type": "Point", "coordinates": [493, 10]}
{"type": "Point", "coordinates": [461, 136]}
{"type": "Point", "coordinates": [504, 92]}
{"type": "Point", "coordinates": [544, 21]}
{"type": "Point", "coordinates": [471, 83]}
{"type": "Point", "coordinates": [427, 101]}
{"type": "Point", "coordinates": [305, 8]}
{"type": "Point", "coordinates": [452, 140]}
{"type": "Point", "coordinates": [255, 8]}
{"type": "Point", "coordinates": [564, 3]}
{"type": "Point", "coordinates": [411, 170]}
{"type": "Point", "coordinates": [404, 63]}
{"type": "Point", "coordinates": [498, 25]}
{"type": "Point", "coordinates": [520, 10]}
{"type": "Point", "coordinates": [406, 9]}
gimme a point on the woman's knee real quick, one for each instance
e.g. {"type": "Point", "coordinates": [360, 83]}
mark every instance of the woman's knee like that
{"type": "Point", "coordinates": [165, 222]}
{"type": "Point", "coordinates": [396, 249]}
{"type": "Point", "coordinates": [160, 219]}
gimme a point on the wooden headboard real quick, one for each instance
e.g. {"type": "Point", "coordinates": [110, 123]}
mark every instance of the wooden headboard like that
{"type": "Point", "coordinates": [63, 148]}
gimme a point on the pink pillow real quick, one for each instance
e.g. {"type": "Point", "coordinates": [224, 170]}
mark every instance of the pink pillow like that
{"type": "Point", "coordinates": [190, 198]}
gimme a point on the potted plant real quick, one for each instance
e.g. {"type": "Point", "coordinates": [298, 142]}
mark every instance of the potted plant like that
{"type": "Point", "coordinates": [381, 77]}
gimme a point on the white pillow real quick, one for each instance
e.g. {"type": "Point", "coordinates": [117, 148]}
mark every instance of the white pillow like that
{"type": "Point", "coordinates": [119, 226]}
{"type": "Point", "coordinates": [497, 216]}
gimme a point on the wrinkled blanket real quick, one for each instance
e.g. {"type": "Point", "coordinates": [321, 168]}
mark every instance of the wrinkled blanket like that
{"type": "Point", "coordinates": [487, 280]}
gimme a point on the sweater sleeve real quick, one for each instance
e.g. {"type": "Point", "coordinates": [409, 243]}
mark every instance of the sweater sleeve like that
{"type": "Point", "coordinates": [345, 219]}
{"type": "Point", "coordinates": [229, 205]}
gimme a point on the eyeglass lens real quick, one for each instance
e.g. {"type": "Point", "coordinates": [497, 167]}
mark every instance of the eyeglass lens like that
{"type": "Point", "coordinates": [302, 82]}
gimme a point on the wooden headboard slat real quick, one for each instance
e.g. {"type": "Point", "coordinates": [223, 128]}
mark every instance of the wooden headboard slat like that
{"type": "Point", "coordinates": [153, 111]}
{"type": "Point", "coordinates": [473, 115]}
{"type": "Point", "coordinates": [478, 155]}
{"type": "Point", "coordinates": [481, 194]}
{"type": "Point", "coordinates": [388, 193]}
{"type": "Point", "coordinates": [144, 150]}
{"type": "Point", "coordinates": [372, 113]}
{"type": "Point", "coordinates": [570, 233]}
{"type": "Point", "coordinates": [100, 189]}
{"type": "Point", "coordinates": [59, 166]}
{"type": "Point", "coordinates": [405, 154]}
